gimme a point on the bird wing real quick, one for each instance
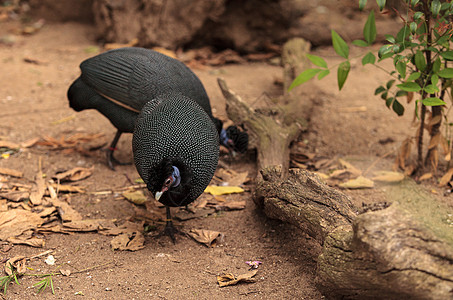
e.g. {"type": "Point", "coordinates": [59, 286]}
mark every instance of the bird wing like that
{"type": "Point", "coordinates": [120, 76]}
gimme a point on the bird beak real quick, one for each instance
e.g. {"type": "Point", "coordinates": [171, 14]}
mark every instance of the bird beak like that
{"type": "Point", "coordinates": [158, 195]}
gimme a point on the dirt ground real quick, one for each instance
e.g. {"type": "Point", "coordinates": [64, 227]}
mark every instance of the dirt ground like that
{"type": "Point", "coordinates": [33, 99]}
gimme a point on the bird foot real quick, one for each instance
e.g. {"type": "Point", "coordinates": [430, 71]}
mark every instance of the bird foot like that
{"type": "Point", "coordinates": [170, 231]}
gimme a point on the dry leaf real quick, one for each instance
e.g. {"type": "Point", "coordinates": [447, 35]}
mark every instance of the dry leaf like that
{"type": "Point", "coordinates": [67, 188]}
{"type": "Point", "coordinates": [9, 145]}
{"type": "Point", "coordinates": [126, 227]}
{"type": "Point", "coordinates": [65, 272]}
{"type": "Point", "coordinates": [341, 174]}
{"type": "Point", "coordinates": [18, 262]}
{"type": "Point", "coordinates": [223, 190]}
{"type": "Point", "coordinates": [435, 140]}
{"type": "Point", "coordinates": [38, 190]}
{"type": "Point", "coordinates": [75, 174]}
{"type": "Point", "coordinates": [11, 172]}
{"type": "Point", "coordinates": [231, 205]}
{"type": "Point", "coordinates": [136, 197]}
{"type": "Point", "coordinates": [14, 222]}
{"type": "Point", "coordinates": [29, 143]}
{"type": "Point", "coordinates": [446, 178]}
{"type": "Point", "coordinates": [34, 242]}
{"type": "Point", "coordinates": [358, 183]}
{"type": "Point", "coordinates": [388, 176]}
{"type": "Point", "coordinates": [230, 279]}
{"type": "Point", "coordinates": [65, 211]}
{"type": "Point", "coordinates": [207, 237]}
{"type": "Point", "coordinates": [128, 241]}
{"type": "Point", "coordinates": [16, 196]}
{"type": "Point", "coordinates": [349, 167]}
{"type": "Point", "coordinates": [426, 176]}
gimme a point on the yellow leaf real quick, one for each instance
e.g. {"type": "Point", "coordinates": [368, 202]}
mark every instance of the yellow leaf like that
{"type": "Point", "coordinates": [358, 183]}
{"type": "Point", "coordinates": [426, 176]}
{"type": "Point", "coordinates": [446, 178]}
{"type": "Point", "coordinates": [223, 190]}
{"type": "Point", "coordinates": [388, 176]}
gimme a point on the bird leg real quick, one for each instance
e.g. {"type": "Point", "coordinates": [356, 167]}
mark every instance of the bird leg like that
{"type": "Point", "coordinates": [169, 229]}
{"type": "Point", "coordinates": [110, 158]}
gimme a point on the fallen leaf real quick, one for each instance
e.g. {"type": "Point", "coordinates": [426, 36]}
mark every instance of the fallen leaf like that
{"type": "Point", "coordinates": [126, 227]}
{"type": "Point", "coordinates": [223, 190]}
{"type": "Point", "coordinates": [446, 178]}
{"type": "Point", "coordinates": [75, 174]}
{"type": "Point", "coordinates": [207, 237]}
{"type": "Point", "coordinates": [9, 145]}
{"type": "Point", "coordinates": [342, 174]}
{"type": "Point", "coordinates": [18, 196]}
{"type": "Point", "coordinates": [388, 176]}
{"type": "Point", "coordinates": [68, 188]}
{"type": "Point", "coordinates": [15, 221]}
{"type": "Point", "coordinates": [29, 143]}
{"type": "Point", "coordinates": [136, 197]}
{"type": "Point", "coordinates": [426, 176]}
{"type": "Point", "coordinates": [33, 242]}
{"type": "Point", "coordinates": [230, 279]}
{"type": "Point", "coordinates": [358, 183]}
{"type": "Point", "coordinates": [349, 167]}
{"type": "Point", "coordinates": [18, 263]}
{"type": "Point", "coordinates": [128, 241]}
{"type": "Point", "coordinates": [231, 205]}
{"type": "Point", "coordinates": [38, 190]}
{"type": "Point", "coordinates": [184, 215]}
{"type": "Point", "coordinates": [11, 172]}
{"type": "Point", "coordinates": [65, 211]}
{"type": "Point", "coordinates": [65, 272]}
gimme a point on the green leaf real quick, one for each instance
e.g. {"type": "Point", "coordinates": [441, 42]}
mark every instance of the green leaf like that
{"type": "Point", "coordinates": [446, 73]}
{"type": "Point", "coordinates": [388, 101]}
{"type": "Point", "coordinates": [401, 94]}
{"type": "Point", "coordinates": [359, 43]}
{"type": "Point", "coordinates": [413, 27]}
{"type": "Point", "coordinates": [433, 101]}
{"type": "Point", "coordinates": [390, 38]}
{"type": "Point", "coordinates": [401, 68]}
{"type": "Point", "coordinates": [414, 2]}
{"type": "Point", "coordinates": [369, 58]}
{"type": "Point", "coordinates": [436, 65]}
{"type": "Point", "coordinates": [409, 86]}
{"type": "Point", "coordinates": [420, 61]}
{"type": "Point", "coordinates": [398, 108]}
{"type": "Point", "coordinates": [342, 73]}
{"type": "Point", "coordinates": [317, 61]}
{"type": "Point", "coordinates": [381, 4]}
{"type": "Point", "coordinates": [379, 90]}
{"type": "Point", "coordinates": [362, 4]}
{"type": "Point", "coordinates": [418, 15]}
{"type": "Point", "coordinates": [448, 55]}
{"type": "Point", "coordinates": [390, 83]}
{"type": "Point", "coordinates": [435, 7]}
{"type": "Point", "coordinates": [403, 34]}
{"type": "Point", "coordinates": [431, 89]}
{"type": "Point", "coordinates": [369, 30]}
{"type": "Point", "coordinates": [339, 45]}
{"type": "Point", "coordinates": [386, 49]}
{"type": "Point", "coordinates": [414, 76]}
{"type": "Point", "coordinates": [323, 74]}
{"type": "Point", "coordinates": [435, 79]}
{"type": "Point", "coordinates": [304, 77]}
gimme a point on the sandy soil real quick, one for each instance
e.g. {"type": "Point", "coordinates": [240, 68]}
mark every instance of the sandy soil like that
{"type": "Point", "coordinates": [33, 97]}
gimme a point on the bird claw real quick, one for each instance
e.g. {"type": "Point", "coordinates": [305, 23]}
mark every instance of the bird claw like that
{"type": "Point", "coordinates": [170, 231]}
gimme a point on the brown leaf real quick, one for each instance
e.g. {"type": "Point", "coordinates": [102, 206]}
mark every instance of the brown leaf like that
{"type": "Point", "coordinates": [387, 176]}
{"type": "Point", "coordinates": [126, 227]}
{"type": "Point", "coordinates": [38, 190]}
{"type": "Point", "coordinates": [18, 262]}
{"type": "Point", "coordinates": [350, 167]}
{"type": "Point", "coordinates": [75, 174]}
{"type": "Point", "coordinates": [409, 97]}
{"type": "Point", "coordinates": [67, 188]}
{"type": "Point", "coordinates": [65, 211]}
{"type": "Point", "coordinates": [404, 152]}
{"type": "Point", "coordinates": [29, 143]}
{"type": "Point", "coordinates": [14, 222]}
{"type": "Point", "coordinates": [128, 241]}
{"type": "Point", "coordinates": [358, 183]}
{"type": "Point", "coordinates": [207, 237]}
{"type": "Point", "coordinates": [446, 178]}
{"type": "Point", "coordinates": [9, 145]}
{"type": "Point", "coordinates": [426, 176]}
{"type": "Point", "coordinates": [18, 196]}
{"type": "Point", "coordinates": [11, 172]}
{"type": "Point", "coordinates": [231, 205]}
{"type": "Point", "coordinates": [65, 272]}
{"type": "Point", "coordinates": [230, 279]}
{"type": "Point", "coordinates": [34, 242]}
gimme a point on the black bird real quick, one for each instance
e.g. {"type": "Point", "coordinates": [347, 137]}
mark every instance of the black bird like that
{"type": "Point", "coordinates": [118, 83]}
{"type": "Point", "coordinates": [176, 150]}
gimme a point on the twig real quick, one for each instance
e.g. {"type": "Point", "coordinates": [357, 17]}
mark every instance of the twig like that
{"type": "Point", "coordinates": [377, 160]}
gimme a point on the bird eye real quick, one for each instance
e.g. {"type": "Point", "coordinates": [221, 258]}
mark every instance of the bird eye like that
{"type": "Point", "coordinates": [168, 182]}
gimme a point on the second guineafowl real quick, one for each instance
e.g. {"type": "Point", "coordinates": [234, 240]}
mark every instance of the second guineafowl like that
{"type": "Point", "coordinates": [118, 83]}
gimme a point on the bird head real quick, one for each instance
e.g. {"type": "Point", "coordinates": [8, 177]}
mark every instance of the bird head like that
{"type": "Point", "coordinates": [234, 139]}
{"type": "Point", "coordinates": [170, 182]}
